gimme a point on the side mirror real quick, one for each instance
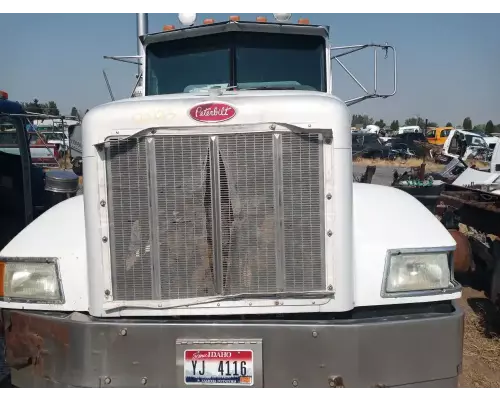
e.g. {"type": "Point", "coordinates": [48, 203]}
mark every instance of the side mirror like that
{"type": "Point", "coordinates": [77, 166]}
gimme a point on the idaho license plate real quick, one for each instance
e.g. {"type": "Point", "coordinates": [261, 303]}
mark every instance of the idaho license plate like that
{"type": "Point", "coordinates": [218, 367]}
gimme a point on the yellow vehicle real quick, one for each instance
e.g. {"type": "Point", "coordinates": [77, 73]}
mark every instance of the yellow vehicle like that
{"type": "Point", "coordinates": [438, 135]}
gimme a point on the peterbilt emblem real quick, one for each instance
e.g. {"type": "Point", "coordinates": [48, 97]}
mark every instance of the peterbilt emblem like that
{"type": "Point", "coordinates": [212, 112]}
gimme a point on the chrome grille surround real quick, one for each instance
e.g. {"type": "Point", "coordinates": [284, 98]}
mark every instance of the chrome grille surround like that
{"type": "Point", "coordinates": [194, 216]}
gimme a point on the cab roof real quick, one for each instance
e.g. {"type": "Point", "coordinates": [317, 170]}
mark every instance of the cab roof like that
{"type": "Point", "coordinates": [10, 107]}
{"type": "Point", "coordinates": [236, 26]}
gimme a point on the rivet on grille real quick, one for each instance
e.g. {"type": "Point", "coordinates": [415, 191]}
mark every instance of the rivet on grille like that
{"type": "Point", "coordinates": [329, 233]}
{"type": "Point", "coordinates": [104, 239]}
{"type": "Point", "coordinates": [328, 141]}
{"type": "Point", "coordinates": [330, 287]}
{"type": "Point", "coordinates": [249, 304]}
{"type": "Point", "coordinates": [107, 292]}
{"type": "Point", "coordinates": [103, 203]}
{"type": "Point", "coordinates": [329, 196]}
{"type": "Point", "coordinates": [272, 127]}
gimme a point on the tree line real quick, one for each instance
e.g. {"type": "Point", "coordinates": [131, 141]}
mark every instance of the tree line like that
{"type": "Point", "coordinates": [48, 108]}
{"type": "Point", "coordinates": [359, 119]}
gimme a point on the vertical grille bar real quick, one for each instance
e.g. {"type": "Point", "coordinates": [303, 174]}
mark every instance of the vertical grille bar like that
{"type": "Point", "coordinates": [153, 219]}
{"type": "Point", "coordinates": [279, 213]}
{"type": "Point", "coordinates": [322, 194]}
{"type": "Point", "coordinates": [216, 215]}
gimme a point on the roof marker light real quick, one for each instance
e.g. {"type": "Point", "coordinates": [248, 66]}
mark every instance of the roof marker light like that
{"type": "Point", "coordinates": [234, 18]}
{"type": "Point", "coordinates": [261, 19]}
{"type": "Point", "coordinates": [4, 95]}
{"type": "Point", "coordinates": [168, 28]}
{"type": "Point", "coordinates": [187, 19]}
{"type": "Point", "coordinates": [208, 21]}
{"type": "Point", "coordinates": [282, 17]}
{"type": "Point", "coordinates": [304, 21]}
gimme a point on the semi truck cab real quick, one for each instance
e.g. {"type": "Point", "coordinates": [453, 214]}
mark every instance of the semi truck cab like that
{"type": "Point", "coordinates": [220, 240]}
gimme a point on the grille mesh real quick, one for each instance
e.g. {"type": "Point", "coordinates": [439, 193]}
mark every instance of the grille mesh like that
{"type": "Point", "coordinates": [247, 210]}
{"type": "Point", "coordinates": [129, 219]}
{"type": "Point", "coordinates": [302, 209]}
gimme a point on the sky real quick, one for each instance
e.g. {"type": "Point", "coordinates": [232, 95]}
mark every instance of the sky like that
{"type": "Point", "coordinates": [448, 64]}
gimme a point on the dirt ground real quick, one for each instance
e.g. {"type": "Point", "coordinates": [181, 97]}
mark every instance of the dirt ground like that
{"type": "Point", "coordinates": [481, 357]}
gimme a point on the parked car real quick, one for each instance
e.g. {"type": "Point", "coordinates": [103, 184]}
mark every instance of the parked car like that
{"type": "Point", "coordinates": [368, 145]}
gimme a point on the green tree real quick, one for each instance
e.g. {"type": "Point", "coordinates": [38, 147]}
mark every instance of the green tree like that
{"type": "Point", "coordinates": [358, 119]}
{"type": "Point", "coordinates": [50, 108]}
{"type": "Point", "coordinates": [489, 128]}
{"type": "Point", "coordinates": [479, 128]}
{"type": "Point", "coordinates": [380, 123]}
{"type": "Point", "coordinates": [467, 124]}
{"type": "Point", "coordinates": [395, 125]}
{"type": "Point", "coordinates": [449, 125]}
{"type": "Point", "coordinates": [415, 122]}
{"type": "Point", "coordinates": [74, 112]}
{"type": "Point", "coordinates": [33, 107]}
{"type": "Point", "coordinates": [432, 124]}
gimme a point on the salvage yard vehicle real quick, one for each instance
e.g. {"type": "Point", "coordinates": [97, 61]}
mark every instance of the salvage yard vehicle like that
{"type": "Point", "coordinates": [22, 184]}
{"type": "Point", "coordinates": [221, 241]}
{"type": "Point", "coordinates": [476, 146]}
{"type": "Point", "coordinates": [438, 134]}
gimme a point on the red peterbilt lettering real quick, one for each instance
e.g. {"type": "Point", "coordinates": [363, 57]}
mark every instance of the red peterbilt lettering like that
{"type": "Point", "coordinates": [212, 112]}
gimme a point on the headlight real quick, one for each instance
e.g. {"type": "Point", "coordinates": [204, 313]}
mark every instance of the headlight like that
{"type": "Point", "coordinates": [409, 272]}
{"type": "Point", "coordinates": [30, 280]}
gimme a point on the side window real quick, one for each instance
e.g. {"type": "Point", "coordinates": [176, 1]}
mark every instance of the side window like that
{"type": "Point", "coordinates": [454, 145]}
{"type": "Point", "coordinates": [431, 133]}
{"type": "Point", "coordinates": [445, 133]}
{"type": "Point", "coordinates": [8, 132]}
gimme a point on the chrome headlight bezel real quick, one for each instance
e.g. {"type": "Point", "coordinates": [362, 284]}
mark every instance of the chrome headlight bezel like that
{"type": "Point", "coordinates": [50, 261]}
{"type": "Point", "coordinates": [453, 286]}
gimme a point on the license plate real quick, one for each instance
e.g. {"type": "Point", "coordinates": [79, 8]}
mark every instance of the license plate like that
{"type": "Point", "coordinates": [218, 367]}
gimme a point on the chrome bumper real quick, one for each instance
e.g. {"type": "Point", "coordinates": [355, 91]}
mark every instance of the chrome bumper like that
{"type": "Point", "coordinates": [386, 349]}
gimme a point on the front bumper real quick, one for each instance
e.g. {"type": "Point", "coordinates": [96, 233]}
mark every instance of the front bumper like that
{"type": "Point", "coordinates": [413, 350]}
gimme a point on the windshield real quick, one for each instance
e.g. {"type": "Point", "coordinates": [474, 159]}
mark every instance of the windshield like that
{"type": "Point", "coordinates": [248, 60]}
{"type": "Point", "coordinates": [475, 141]}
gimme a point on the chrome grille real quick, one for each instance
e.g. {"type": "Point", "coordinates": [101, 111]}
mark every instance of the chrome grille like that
{"type": "Point", "coordinates": [128, 198]}
{"type": "Point", "coordinates": [195, 216]}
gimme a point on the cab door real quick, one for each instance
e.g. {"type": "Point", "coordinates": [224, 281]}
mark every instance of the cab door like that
{"type": "Point", "coordinates": [431, 136]}
{"type": "Point", "coordinates": [16, 207]}
{"type": "Point", "coordinates": [443, 134]}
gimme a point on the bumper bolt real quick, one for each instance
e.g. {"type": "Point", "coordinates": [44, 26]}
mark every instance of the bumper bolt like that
{"type": "Point", "coordinates": [315, 334]}
{"type": "Point", "coordinates": [295, 383]}
{"type": "Point", "coordinates": [144, 381]}
{"type": "Point", "coordinates": [104, 239]}
{"type": "Point", "coordinates": [336, 382]}
{"type": "Point", "coordinates": [103, 203]}
{"type": "Point", "coordinates": [329, 196]}
{"type": "Point", "coordinates": [123, 332]}
{"type": "Point", "coordinates": [107, 380]}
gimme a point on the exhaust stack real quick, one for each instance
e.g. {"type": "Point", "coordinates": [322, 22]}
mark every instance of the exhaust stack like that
{"type": "Point", "coordinates": [142, 29]}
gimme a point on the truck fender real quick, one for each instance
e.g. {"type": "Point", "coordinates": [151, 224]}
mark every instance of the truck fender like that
{"type": "Point", "coordinates": [386, 218]}
{"type": "Point", "coordinates": [59, 233]}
